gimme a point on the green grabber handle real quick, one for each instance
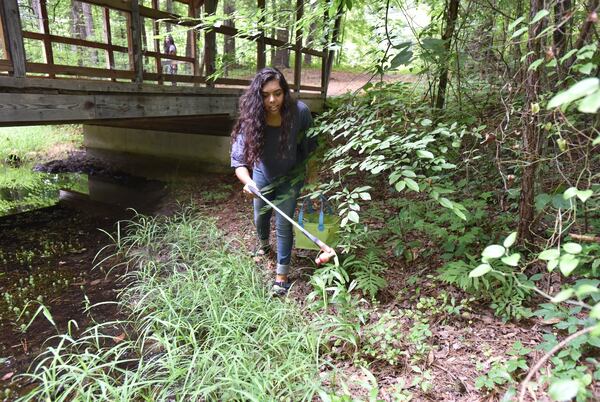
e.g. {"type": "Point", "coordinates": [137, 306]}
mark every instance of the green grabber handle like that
{"type": "Point", "coordinates": [326, 252]}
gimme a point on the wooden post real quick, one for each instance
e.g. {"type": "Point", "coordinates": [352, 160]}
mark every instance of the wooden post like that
{"type": "Point", "coordinates": [193, 36]}
{"type": "Point", "coordinates": [110, 56]}
{"type": "Point", "coordinates": [136, 42]}
{"type": "Point", "coordinates": [210, 44]}
{"type": "Point", "coordinates": [14, 34]}
{"type": "Point", "coordinates": [46, 31]}
{"type": "Point", "coordinates": [156, 31]}
{"type": "Point", "coordinates": [261, 56]}
{"type": "Point", "coordinates": [298, 47]}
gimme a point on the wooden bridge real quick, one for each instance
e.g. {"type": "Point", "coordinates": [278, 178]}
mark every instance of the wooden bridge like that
{"type": "Point", "coordinates": [50, 74]}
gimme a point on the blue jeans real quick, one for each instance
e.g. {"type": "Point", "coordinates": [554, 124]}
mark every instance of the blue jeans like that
{"type": "Point", "coordinates": [284, 194]}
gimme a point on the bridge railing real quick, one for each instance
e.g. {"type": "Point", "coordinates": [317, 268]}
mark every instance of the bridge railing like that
{"type": "Point", "coordinates": [135, 55]}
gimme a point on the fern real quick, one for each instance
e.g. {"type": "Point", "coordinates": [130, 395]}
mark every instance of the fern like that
{"type": "Point", "coordinates": [368, 272]}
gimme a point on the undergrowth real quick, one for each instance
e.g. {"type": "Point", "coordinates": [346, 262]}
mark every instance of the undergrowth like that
{"type": "Point", "coordinates": [201, 326]}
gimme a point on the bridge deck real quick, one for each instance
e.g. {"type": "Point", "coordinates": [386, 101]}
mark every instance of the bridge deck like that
{"type": "Point", "coordinates": [136, 92]}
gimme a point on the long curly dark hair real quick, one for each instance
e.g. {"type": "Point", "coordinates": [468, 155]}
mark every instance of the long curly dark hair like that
{"type": "Point", "coordinates": [252, 120]}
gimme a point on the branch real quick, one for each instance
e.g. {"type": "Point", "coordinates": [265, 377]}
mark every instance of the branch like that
{"type": "Point", "coordinates": [547, 356]}
{"type": "Point", "coordinates": [587, 238]}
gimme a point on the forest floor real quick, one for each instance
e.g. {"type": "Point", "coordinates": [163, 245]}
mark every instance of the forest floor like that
{"type": "Point", "coordinates": [460, 348]}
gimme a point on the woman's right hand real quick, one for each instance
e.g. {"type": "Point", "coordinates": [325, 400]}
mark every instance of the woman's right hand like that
{"type": "Point", "coordinates": [247, 186]}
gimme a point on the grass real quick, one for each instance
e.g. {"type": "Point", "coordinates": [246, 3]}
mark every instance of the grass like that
{"type": "Point", "coordinates": [201, 326]}
{"type": "Point", "coordinates": [23, 141]}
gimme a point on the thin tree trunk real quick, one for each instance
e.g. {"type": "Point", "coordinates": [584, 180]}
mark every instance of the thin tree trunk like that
{"type": "Point", "coordinates": [310, 39]}
{"type": "Point", "coordinates": [169, 10]}
{"type": "Point", "coordinates": [282, 54]}
{"type": "Point", "coordinates": [451, 16]}
{"type": "Point", "coordinates": [531, 132]}
{"type": "Point", "coordinates": [89, 28]}
{"type": "Point", "coordinates": [77, 30]}
{"type": "Point", "coordinates": [229, 41]}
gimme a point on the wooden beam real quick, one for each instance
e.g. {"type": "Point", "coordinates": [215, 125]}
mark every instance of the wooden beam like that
{"type": "Point", "coordinates": [13, 31]}
{"type": "Point", "coordinates": [6, 65]}
{"type": "Point", "coordinates": [46, 31]}
{"type": "Point", "coordinates": [210, 43]}
{"type": "Point", "coordinates": [121, 5]}
{"type": "Point", "coordinates": [261, 49]}
{"type": "Point", "coordinates": [3, 44]}
{"type": "Point", "coordinates": [77, 42]}
{"type": "Point", "coordinates": [136, 42]}
{"type": "Point", "coordinates": [59, 69]}
{"type": "Point", "coordinates": [45, 85]}
{"type": "Point", "coordinates": [110, 56]}
{"type": "Point", "coordinates": [48, 108]}
{"type": "Point", "coordinates": [298, 47]}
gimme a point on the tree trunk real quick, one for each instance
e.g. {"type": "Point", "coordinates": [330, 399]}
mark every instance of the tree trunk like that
{"type": "Point", "coordinates": [229, 60]}
{"type": "Point", "coordinates": [272, 48]}
{"type": "Point", "coordinates": [531, 131]}
{"type": "Point", "coordinates": [451, 16]}
{"type": "Point", "coordinates": [282, 54]}
{"type": "Point", "coordinates": [88, 28]}
{"type": "Point", "coordinates": [169, 10]}
{"type": "Point", "coordinates": [77, 30]}
{"type": "Point", "coordinates": [310, 39]}
{"type": "Point", "coordinates": [37, 11]}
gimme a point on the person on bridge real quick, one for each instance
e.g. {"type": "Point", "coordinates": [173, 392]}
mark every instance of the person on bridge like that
{"type": "Point", "coordinates": [170, 49]}
{"type": "Point", "coordinates": [269, 139]}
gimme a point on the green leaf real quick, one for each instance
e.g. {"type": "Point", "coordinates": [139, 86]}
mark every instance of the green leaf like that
{"type": "Point", "coordinates": [516, 22]}
{"type": "Point", "coordinates": [567, 264]}
{"type": "Point", "coordinates": [446, 203]}
{"type": "Point", "coordinates": [582, 88]}
{"type": "Point", "coordinates": [512, 260]}
{"type": "Point", "coordinates": [540, 14]}
{"type": "Point", "coordinates": [493, 251]}
{"type": "Point", "coordinates": [551, 265]}
{"type": "Point", "coordinates": [563, 295]}
{"type": "Point", "coordinates": [353, 216]}
{"type": "Point", "coordinates": [459, 213]}
{"type": "Point", "coordinates": [518, 33]}
{"type": "Point", "coordinates": [365, 196]}
{"type": "Point", "coordinates": [585, 289]}
{"type": "Point", "coordinates": [408, 173]}
{"type": "Point", "coordinates": [563, 390]}
{"type": "Point", "coordinates": [426, 122]}
{"type": "Point", "coordinates": [402, 58]}
{"type": "Point", "coordinates": [400, 185]}
{"type": "Point", "coordinates": [584, 195]}
{"type": "Point", "coordinates": [421, 153]}
{"type": "Point", "coordinates": [510, 240]}
{"type": "Point", "coordinates": [570, 193]}
{"type": "Point", "coordinates": [533, 66]}
{"type": "Point", "coordinates": [550, 254]}
{"type": "Point", "coordinates": [572, 248]}
{"type": "Point", "coordinates": [410, 183]}
{"type": "Point", "coordinates": [596, 141]}
{"type": "Point", "coordinates": [595, 312]}
{"type": "Point", "coordinates": [480, 271]}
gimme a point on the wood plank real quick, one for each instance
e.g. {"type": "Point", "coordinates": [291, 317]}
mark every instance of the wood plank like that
{"type": "Point", "coordinates": [46, 31]}
{"type": "Point", "coordinates": [121, 5]}
{"type": "Point", "coordinates": [47, 108]}
{"type": "Point", "coordinates": [168, 56]}
{"type": "Point", "coordinates": [261, 49]}
{"type": "Point", "coordinates": [77, 70]}
{"type": "Point", "coordinates": [136, 42]}
{"type": "Point", "coordinates": [310, 88]}
{"type": "Point", "coordinates": [31, 84]}
{"type": "Point", "coordinates": [176, 78]}
{"type": "Point", "coordinates": [298, 46]}
{"type": "Point", "coordinates": [110, 56]}
{"type": "Point", "coordinates": [13, 33]}
{"type": "Point", "coordinates": [74, 41]}
{"type": "Point", "coordinates": [3, 44]}
{"type": "Point", "coordinates": [6, 65]}
{"type": "Point", "coordinates": [232, 81]}
{"type": "Point", "coordinates": [193, 37]}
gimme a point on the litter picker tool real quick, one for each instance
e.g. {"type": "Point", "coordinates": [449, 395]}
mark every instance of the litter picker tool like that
{"type": "Point", "coordinates": [326, 252]}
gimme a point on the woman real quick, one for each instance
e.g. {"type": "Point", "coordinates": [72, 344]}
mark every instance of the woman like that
{"type": "Point", "coordinates": [269, 140]}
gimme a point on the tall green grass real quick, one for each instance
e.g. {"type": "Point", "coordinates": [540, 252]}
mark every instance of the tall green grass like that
{"type": "Point", "coordinates": [20, 141]}
{"type": "Point", "coordinates": [201, 326]}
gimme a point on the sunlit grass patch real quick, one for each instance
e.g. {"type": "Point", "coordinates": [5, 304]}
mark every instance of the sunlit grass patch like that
{"type": "Point", "coordinates": [21, 141]}
{"type": "Point", "coordinates": [202, 326]}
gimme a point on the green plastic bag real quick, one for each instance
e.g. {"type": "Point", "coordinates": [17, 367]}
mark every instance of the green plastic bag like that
{"type": "Point", "coordinates": [323, 224]}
